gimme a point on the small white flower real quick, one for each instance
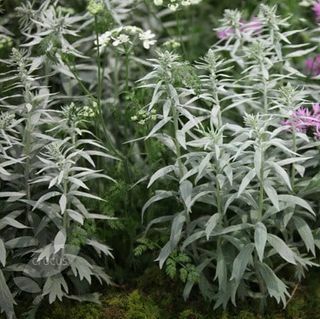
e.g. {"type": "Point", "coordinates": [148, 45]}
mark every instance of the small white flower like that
{"type": "Point", "coordinates": [121, 39]}
{"type": "Point", "coordinates": [147, 39]}
{"type": "Point", "coordinates": [186, 2]}
{"type": "Point", "coordinates": [173, 7]}
{"type": "Point", "coordinates": [132, 29]}
{"type": "Point", "coordinates": [158, 2]}
{"type": "Point", "coordinates": [104, 39]}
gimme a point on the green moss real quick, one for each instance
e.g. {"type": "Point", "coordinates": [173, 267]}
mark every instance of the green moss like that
{"type": "Point", "coordinates": [132, 306]}
{"type": "Point", "coordinates": [158, 297]}
{"type": "Point", "coordinates": [162, 290]}
{"type": "Point", "coordinates": [61, 310]}
{"type": "Point", "coordinates": [277, 316]}
{"type": "Point", "coordinates": [140, 307]}
{"type": "Point", "coordinates": [296, 308]}
{"type": "Point", "coordinates": [190, 314]}
{"type": "Point", "coordinates": [114, 306]}
{"type": "Point", "coordinates": [224, 315]}
{"type": "Point", "coordinates": [244, 314]}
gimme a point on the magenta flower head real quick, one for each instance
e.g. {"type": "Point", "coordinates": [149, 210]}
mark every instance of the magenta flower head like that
{"type": "Point", "coordinates": [312, 65]}
{"type": "Point", "coordinates": [316, 109]}
{"type": "Point", "coordinates": [305, 120]}
{"type": "Point", "coordinates": [254, 26]}
{"type": "Point", "coordinates": [225, 33]}
{"type": "Point", "coordinates": [316, 10]}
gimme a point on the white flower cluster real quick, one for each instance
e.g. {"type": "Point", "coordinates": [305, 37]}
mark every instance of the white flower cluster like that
{"type": "Point", "coordinates": [127, 35]}
{"type": "Point", "coordinates": [176, 4]}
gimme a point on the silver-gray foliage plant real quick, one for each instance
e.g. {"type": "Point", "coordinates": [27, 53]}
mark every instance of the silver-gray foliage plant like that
{"type": "Point", "coordinates": [258, 222]}
{"type": "Point", "coordinates": [243, 210]}
{"type": "Point", "coordinates": [47, 163]}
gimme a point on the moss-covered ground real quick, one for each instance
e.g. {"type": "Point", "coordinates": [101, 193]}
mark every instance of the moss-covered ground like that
{"type": "Point", "coordinates": [153, 296]}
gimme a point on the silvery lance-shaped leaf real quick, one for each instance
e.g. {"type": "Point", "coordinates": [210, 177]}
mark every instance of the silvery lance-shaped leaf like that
{"type": "Point", "coordinates": [161, 173]}
{"type": "Point", "coordinates": [164, 254]}
{"type": "Point", "coordinates": [3, 253]}
{"type": "Point", "coordinates": [75, 216]}
{"type": "Point", "coordinates": [272, 194]}
{"type": "Point", "coordinates": [63, 203]}
{"type": "Point", "coordinates": [282, 248]}
{"type": "Point", "coordinates": [59, 241]}
{"type": "Point", "coordinates": [160, 194]}
{"type": "Point", "coordinates": [246, 181]}
{"type": "Point", "coordinates": [12, 196]}
{"type": "Point", "coordinates": [276, 288]}
{"type": "Point", "coordinates": [257, 161]}
{"type": "Point", "coordinates": [292, 201]}
{"type": "Point", "coordinates": [211, 224]}
{"type": "Point", "coordinates": [305, 233]}
{"type": "Point", "coordinates": [27, 284]}
{"type": "Point", "coordinates": [46, 197]}
{"type": "Point", "coordinates": [176, 231]}
{"type": "Point", "coordinates": [100, 248]}
{"type": "Point", "coordinates": [55, 287]}
{"type": "Point", "coordinates": [21, 242]}
{"type": "Point", "coordinates": [6, 299]}
{"type": "Point", "coordinates": [260, 239]}
{"type": "Point", "coordinates": [241, 262]}
{"type": "Point", "coordinates": [158, 126]}
{"type": "Point", "coordinates": [186, 192]}
{"type": "Point", "coordinates": [299, 53]}
{"type": "Point", "coordinates": [282, 173]}
{"type": "Point", "coordinates": [9, 221]}
{"type": "Point", "coordinates": [80, 267]}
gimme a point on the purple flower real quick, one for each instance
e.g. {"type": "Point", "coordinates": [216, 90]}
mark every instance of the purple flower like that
{"type": "Point", "coordinates": [225, 33]}
{"type": "Point", "coordinates": [316, 109]}
{"type": "Point", "coordinates": [254, 26]}
{"type": "Point", "coordinates": [312, 65]}
{"type": "Point", "coordinates": [316, 10]}
{"type": "Point", "coordinates": [303, 120]}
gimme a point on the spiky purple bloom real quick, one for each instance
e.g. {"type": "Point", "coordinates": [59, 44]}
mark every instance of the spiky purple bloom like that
{"type": "Point", "coordinates": [305, 120]}
{"type": "Point", "coordinates": [225, 33]}
{"type": "Point", "coordinates": [312, 65]}
{"type": "Point", "coordinates": [254, 26]}
{"type": "Point", "coordinates": [316, 109]}
{"type": "Point", "coordinates": [316, 10]}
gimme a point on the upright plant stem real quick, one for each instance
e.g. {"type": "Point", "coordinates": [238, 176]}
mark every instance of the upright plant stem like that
{"type": "Point", "coordinates": [261, 179]}
{"type": "Point", "coordinates": [178, 148]}
{"type": "Point", "coordinates": [65, 216]}
{"type": "Point", "coordinates": [106, 137]}
{"type": "Point", "coordinates": [219, 109]}
{"type": "Point", "coordinates": [65, 182]}
{"type": "Point", "coordinates": [265, 94]}
{"type": "Point", "coordinates": [178, 21]}
{"type": "Point", "coordinates": [27, 166]}
{"type": "Point", "coordinates": [99, 79]}
{"type": "Point", "coordinates": [175, 116]}
{"type": "Point", "coordinates": [218, 187]}
{"type": "Point", "coordinates": [126, 117]}
{"type": "Point", "coordinates": [27, 142]}
{"type": "Point", "coordinates": [293, 170]}
{"type": "Point", "coordinates": [262, 286]}
{"type": "Point", "coordinates": [219, 199]}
